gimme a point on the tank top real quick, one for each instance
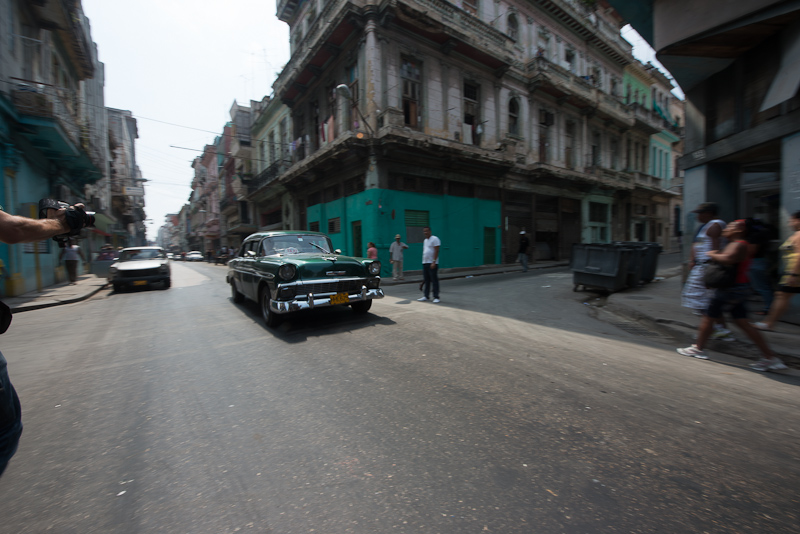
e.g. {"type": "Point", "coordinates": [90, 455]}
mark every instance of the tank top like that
{"type": "Point", "coordinates": [703, 244]}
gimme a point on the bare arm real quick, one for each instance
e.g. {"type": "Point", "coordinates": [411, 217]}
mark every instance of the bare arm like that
{"type": "Point", "coordinates": [714, 232]}
{"type": "Point", "coordinates": [735, 252]}
{"type": "Point", "coordinates": [435, 257]}
{"type": "Point", "coordinates": [16, 229]}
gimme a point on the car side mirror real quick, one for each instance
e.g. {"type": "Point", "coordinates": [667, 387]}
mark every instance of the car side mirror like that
{"type": "Point", "coordinates": [337, 251]}
{"type": "Point", "coordinates": [250, 254]}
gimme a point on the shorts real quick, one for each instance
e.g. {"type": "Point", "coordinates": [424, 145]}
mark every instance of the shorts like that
{"type": "Point", "coordinates": [788, 289]}
{"type": "Point", "coordinates": [733, 299]}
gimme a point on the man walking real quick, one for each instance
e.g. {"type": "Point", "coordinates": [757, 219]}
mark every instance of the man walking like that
{"type": "Point", "coordinates": [430, 264]}
{"type": "Point", "coordinates": [522, 255]}
{"type": "Point", "coordinates": [396, 257]}
{"type": "Point", "coordinates": [71, 253]}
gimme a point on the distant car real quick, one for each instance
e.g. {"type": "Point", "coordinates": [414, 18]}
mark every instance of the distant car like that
{"type": "Point", "coordinates": [195, 255]}
{"type": "Point", "coordinates": [291, 271]}
{"type": "Point", "coordinates": [140, 266]}
{"type": "Point", "coordinates": [170, 256]}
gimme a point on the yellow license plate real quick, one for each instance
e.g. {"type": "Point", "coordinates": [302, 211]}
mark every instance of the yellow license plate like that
{"type": "Point", "coordinates": [140, 282]}
{"type": "Point", "coordinates": [340, 298]}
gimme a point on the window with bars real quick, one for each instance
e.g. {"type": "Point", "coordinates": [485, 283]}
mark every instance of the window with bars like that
{"type": "Point", "coordinates": [410, 73]}
{"type": "Point", "coordinates": [334, 225]}
{"type": "Point", "coordinates": [598, 212]}
{"type": "Point", "coordinates": [313, 226]}
{"type": "Point", "coordinates": [415, 221]}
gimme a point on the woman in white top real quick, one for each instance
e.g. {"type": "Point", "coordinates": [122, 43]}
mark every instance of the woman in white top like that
{"type": "Point", "coordinates": [709, 238]}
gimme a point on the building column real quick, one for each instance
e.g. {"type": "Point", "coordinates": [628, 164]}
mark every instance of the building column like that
{"type": "Point", "coordinates": [373, 70]}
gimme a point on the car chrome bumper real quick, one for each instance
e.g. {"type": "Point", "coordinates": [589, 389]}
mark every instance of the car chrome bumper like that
{"type": "Point", "coordinates": [288, 306]}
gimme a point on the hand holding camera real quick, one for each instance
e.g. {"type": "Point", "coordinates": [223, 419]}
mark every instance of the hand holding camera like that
{"type": "Point", "coordinates": [76, 217]}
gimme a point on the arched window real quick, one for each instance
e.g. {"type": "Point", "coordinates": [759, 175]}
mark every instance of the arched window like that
{"type": "Point", "coordinates": [513, 26]}
{"type": "Point", "coordinates": [513, 116]}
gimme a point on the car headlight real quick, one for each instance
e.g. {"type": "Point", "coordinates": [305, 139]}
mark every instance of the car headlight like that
{"type": "Point", "coordinates": [374, 268]}
{"type": "Point", "coordinates": [112, 270]}
{"type": "Point", "coordinates": [287, 271]}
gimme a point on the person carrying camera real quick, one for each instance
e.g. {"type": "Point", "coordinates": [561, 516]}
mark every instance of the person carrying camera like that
{"type": "Point", "coordinates": [15, 229]}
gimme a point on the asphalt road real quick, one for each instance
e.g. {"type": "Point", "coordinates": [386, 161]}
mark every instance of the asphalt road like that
{"type": "Point", "coordinates": [506, 408]}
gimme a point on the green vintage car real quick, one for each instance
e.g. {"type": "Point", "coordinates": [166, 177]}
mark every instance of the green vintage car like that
{"type": "Point", "coordinates": [291, 271]}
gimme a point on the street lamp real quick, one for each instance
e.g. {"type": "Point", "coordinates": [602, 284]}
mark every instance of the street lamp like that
{"type": "Point", "coordinates": [344, 91]}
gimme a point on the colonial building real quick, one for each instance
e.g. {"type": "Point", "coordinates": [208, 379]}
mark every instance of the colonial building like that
{"type": "Point", "coordinates": [53, 139]}
{"type": "Point", "coordinates": [126, 181]}
{"type": "Point", "coordinates": [477, 119]}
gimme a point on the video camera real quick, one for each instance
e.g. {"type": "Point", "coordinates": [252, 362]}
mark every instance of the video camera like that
{"type": "Point", "coordinates": [76, 217]}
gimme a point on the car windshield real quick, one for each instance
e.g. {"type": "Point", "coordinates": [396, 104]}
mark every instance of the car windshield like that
{"type": "Point", "coordinates": [295, 244]}
{"type": "Point", "coordinates": [140, 254]}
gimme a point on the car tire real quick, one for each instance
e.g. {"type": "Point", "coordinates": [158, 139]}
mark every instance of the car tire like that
{"type": "Point", "coordinates": [270, 319]}
{"type": "Point", "coordinates": [117, 288]}
{"type": "Point", "coordinates": [237, 297]}
{"type": "Point", "coordinates": [362, 306]}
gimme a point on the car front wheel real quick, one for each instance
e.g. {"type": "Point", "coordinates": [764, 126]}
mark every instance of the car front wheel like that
{"type": "Point", "coordinates": [271, 319]}
{"type": "Point", "coordinates": [361, 306]}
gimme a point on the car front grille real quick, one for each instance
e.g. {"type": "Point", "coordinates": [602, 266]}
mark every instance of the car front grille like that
{"type": "Point", "coordinates": [139, 273]}
{"type": "Point", "coordinates": [339, 286]}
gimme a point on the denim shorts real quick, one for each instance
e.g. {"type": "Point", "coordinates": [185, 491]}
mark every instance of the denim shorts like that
{"type": "Point", "coordinates": [733, 299]}
{"type": "Point", "coordinates": [10, 417]}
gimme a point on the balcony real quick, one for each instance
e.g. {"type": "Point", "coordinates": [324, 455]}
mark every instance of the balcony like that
{"type": "Point", "coordinates": [645, 120]}
{"type": "Point", "coordinates": [48, 118]}
{"type": "Point", "coordinates": [437, 21]}
{"type": "Point", "coordinates": [63, 19]}
{"type": "Point", "coordinates": [647, 181]}
{"type": "Point", "coordinates": [580, 92]}
{"type": "Point", "coordinates": [265, 177]}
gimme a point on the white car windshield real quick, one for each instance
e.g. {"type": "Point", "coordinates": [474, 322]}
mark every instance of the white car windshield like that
{"type": "Point", "coordinates": [140, 254]}
{"type": "Point", "coordinates": [295, 244]}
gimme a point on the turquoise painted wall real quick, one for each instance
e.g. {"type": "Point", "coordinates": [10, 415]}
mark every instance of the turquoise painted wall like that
{"type": "Point", "coordinates": [635, 84]}
{"type": "Point", "coordinates": [458, 222]}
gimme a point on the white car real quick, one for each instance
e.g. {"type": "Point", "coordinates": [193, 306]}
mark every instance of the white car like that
{"type": "Point", "coordinates": [194, 255]}
{"type": "Point", "coordinates": [140, 266]}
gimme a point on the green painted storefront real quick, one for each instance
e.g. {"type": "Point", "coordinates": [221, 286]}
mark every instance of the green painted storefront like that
{"type": "Point", "coordinates": [468, 227]}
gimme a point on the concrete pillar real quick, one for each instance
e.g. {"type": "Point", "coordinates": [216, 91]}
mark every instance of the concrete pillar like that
{"type": "Point", "coordinates": [373, 71]}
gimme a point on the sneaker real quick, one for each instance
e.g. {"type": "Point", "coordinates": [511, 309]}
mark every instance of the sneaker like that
{"type": "Point", "coordinates": [422, 299]}
{"type": "Point", "coordinates": [775, 364]}
{"type": "Point", "coordinates": [762, 326]}
{"type": "Point", "coordinates": [436, 301]}
{"type": "Point", "coordinates": [722, 335]}
{"type": "Point", "coordinates": [694, 352]}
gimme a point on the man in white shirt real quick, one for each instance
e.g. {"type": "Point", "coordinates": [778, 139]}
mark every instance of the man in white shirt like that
{"type": "Point", "coordinates": [430, 265]}
{"type": "Point", "coordinates": [396, 257]}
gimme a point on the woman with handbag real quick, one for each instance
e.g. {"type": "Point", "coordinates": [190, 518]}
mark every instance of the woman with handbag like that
{"type": "Point", "coordinates": [696, 295]}
{"type": "Point", "coordinates": [733, 298]}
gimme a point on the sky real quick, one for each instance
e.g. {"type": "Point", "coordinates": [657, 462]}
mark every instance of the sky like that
{"type": "Point", "coordinates": [178, 66]}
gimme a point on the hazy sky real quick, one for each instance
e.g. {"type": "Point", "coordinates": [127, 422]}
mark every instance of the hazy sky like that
{"type": "Point", "coordinates": [178, 65]}
{"type": "Point", "coordinates": [183, 62]}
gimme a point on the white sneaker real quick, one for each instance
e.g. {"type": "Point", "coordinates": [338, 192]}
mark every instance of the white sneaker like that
{"type": "Point", "coordinates": [693, 351]}
{"type": "Point", "coordinates": [775, 364]}
{"type": "Point", "coordinates": [436, 301]}
{"type": "Point", "coordinates": [422, 299]}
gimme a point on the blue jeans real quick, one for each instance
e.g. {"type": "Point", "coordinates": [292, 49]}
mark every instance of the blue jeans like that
{"type": "Point", "coordinates": [10, 417]}
{"type": "Point", "coordinates": [523, 259]}
{"type": "Point", "coordinates": [430, 276]}
{"type": "Point", "coordinates": [759, 280]}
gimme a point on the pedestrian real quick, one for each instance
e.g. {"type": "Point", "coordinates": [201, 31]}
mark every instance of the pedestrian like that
{"type": "Point", "coordinates": [106, 253]}
{"type": "Point", "coordinates": [396, 257]}
{"type": "Point", "coordinates": [696, 295]}
{"type": "Point", "coordinates": [372, 252]}
{"type": "Point", "coordinates": [15, 229]}
{"type": "Point", "coordinates": [789, 284]}
{"type": "Point", "coordinates": [759, 236]}
{"type": "Point", "coordinates": [71, 254]}
{"type": "Point", "coordinates": [522, 254]}
{"type": "Point", "coordinates": [430, 265]}
{"type": "Point", "coordinates": [734, 299]}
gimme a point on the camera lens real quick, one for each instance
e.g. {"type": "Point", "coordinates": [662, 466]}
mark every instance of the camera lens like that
{"type": "Point", "coordinates": [90, 218]}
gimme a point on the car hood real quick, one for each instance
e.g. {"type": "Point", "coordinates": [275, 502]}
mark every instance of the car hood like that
{"type": "Point", "coordinates": [326, 266]}
{"type": "Point", "coordinates": [138, 265]}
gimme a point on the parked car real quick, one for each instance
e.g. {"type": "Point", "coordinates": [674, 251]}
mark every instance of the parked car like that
{"type": "Point", "coordinates": [140, 266]}
{"type": "Point", "coordinates": [195, 255]}
{"type": "Point", "coordinates": [291, 271]}
{"type": "Point", "coordinates": [170, 256]}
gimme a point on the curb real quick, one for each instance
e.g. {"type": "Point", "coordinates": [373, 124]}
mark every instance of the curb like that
{"type": "Point", "coordinates": [52, 303]}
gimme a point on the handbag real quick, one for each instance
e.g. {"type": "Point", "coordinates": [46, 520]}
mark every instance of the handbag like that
{"type": "Point", "coordinates": [718, 275]}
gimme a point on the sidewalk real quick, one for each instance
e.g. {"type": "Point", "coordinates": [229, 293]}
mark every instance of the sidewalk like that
{"type": "Point", "coordinates": [55, 295]}
{"type": "Point", "coordinates": [658, 305]}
